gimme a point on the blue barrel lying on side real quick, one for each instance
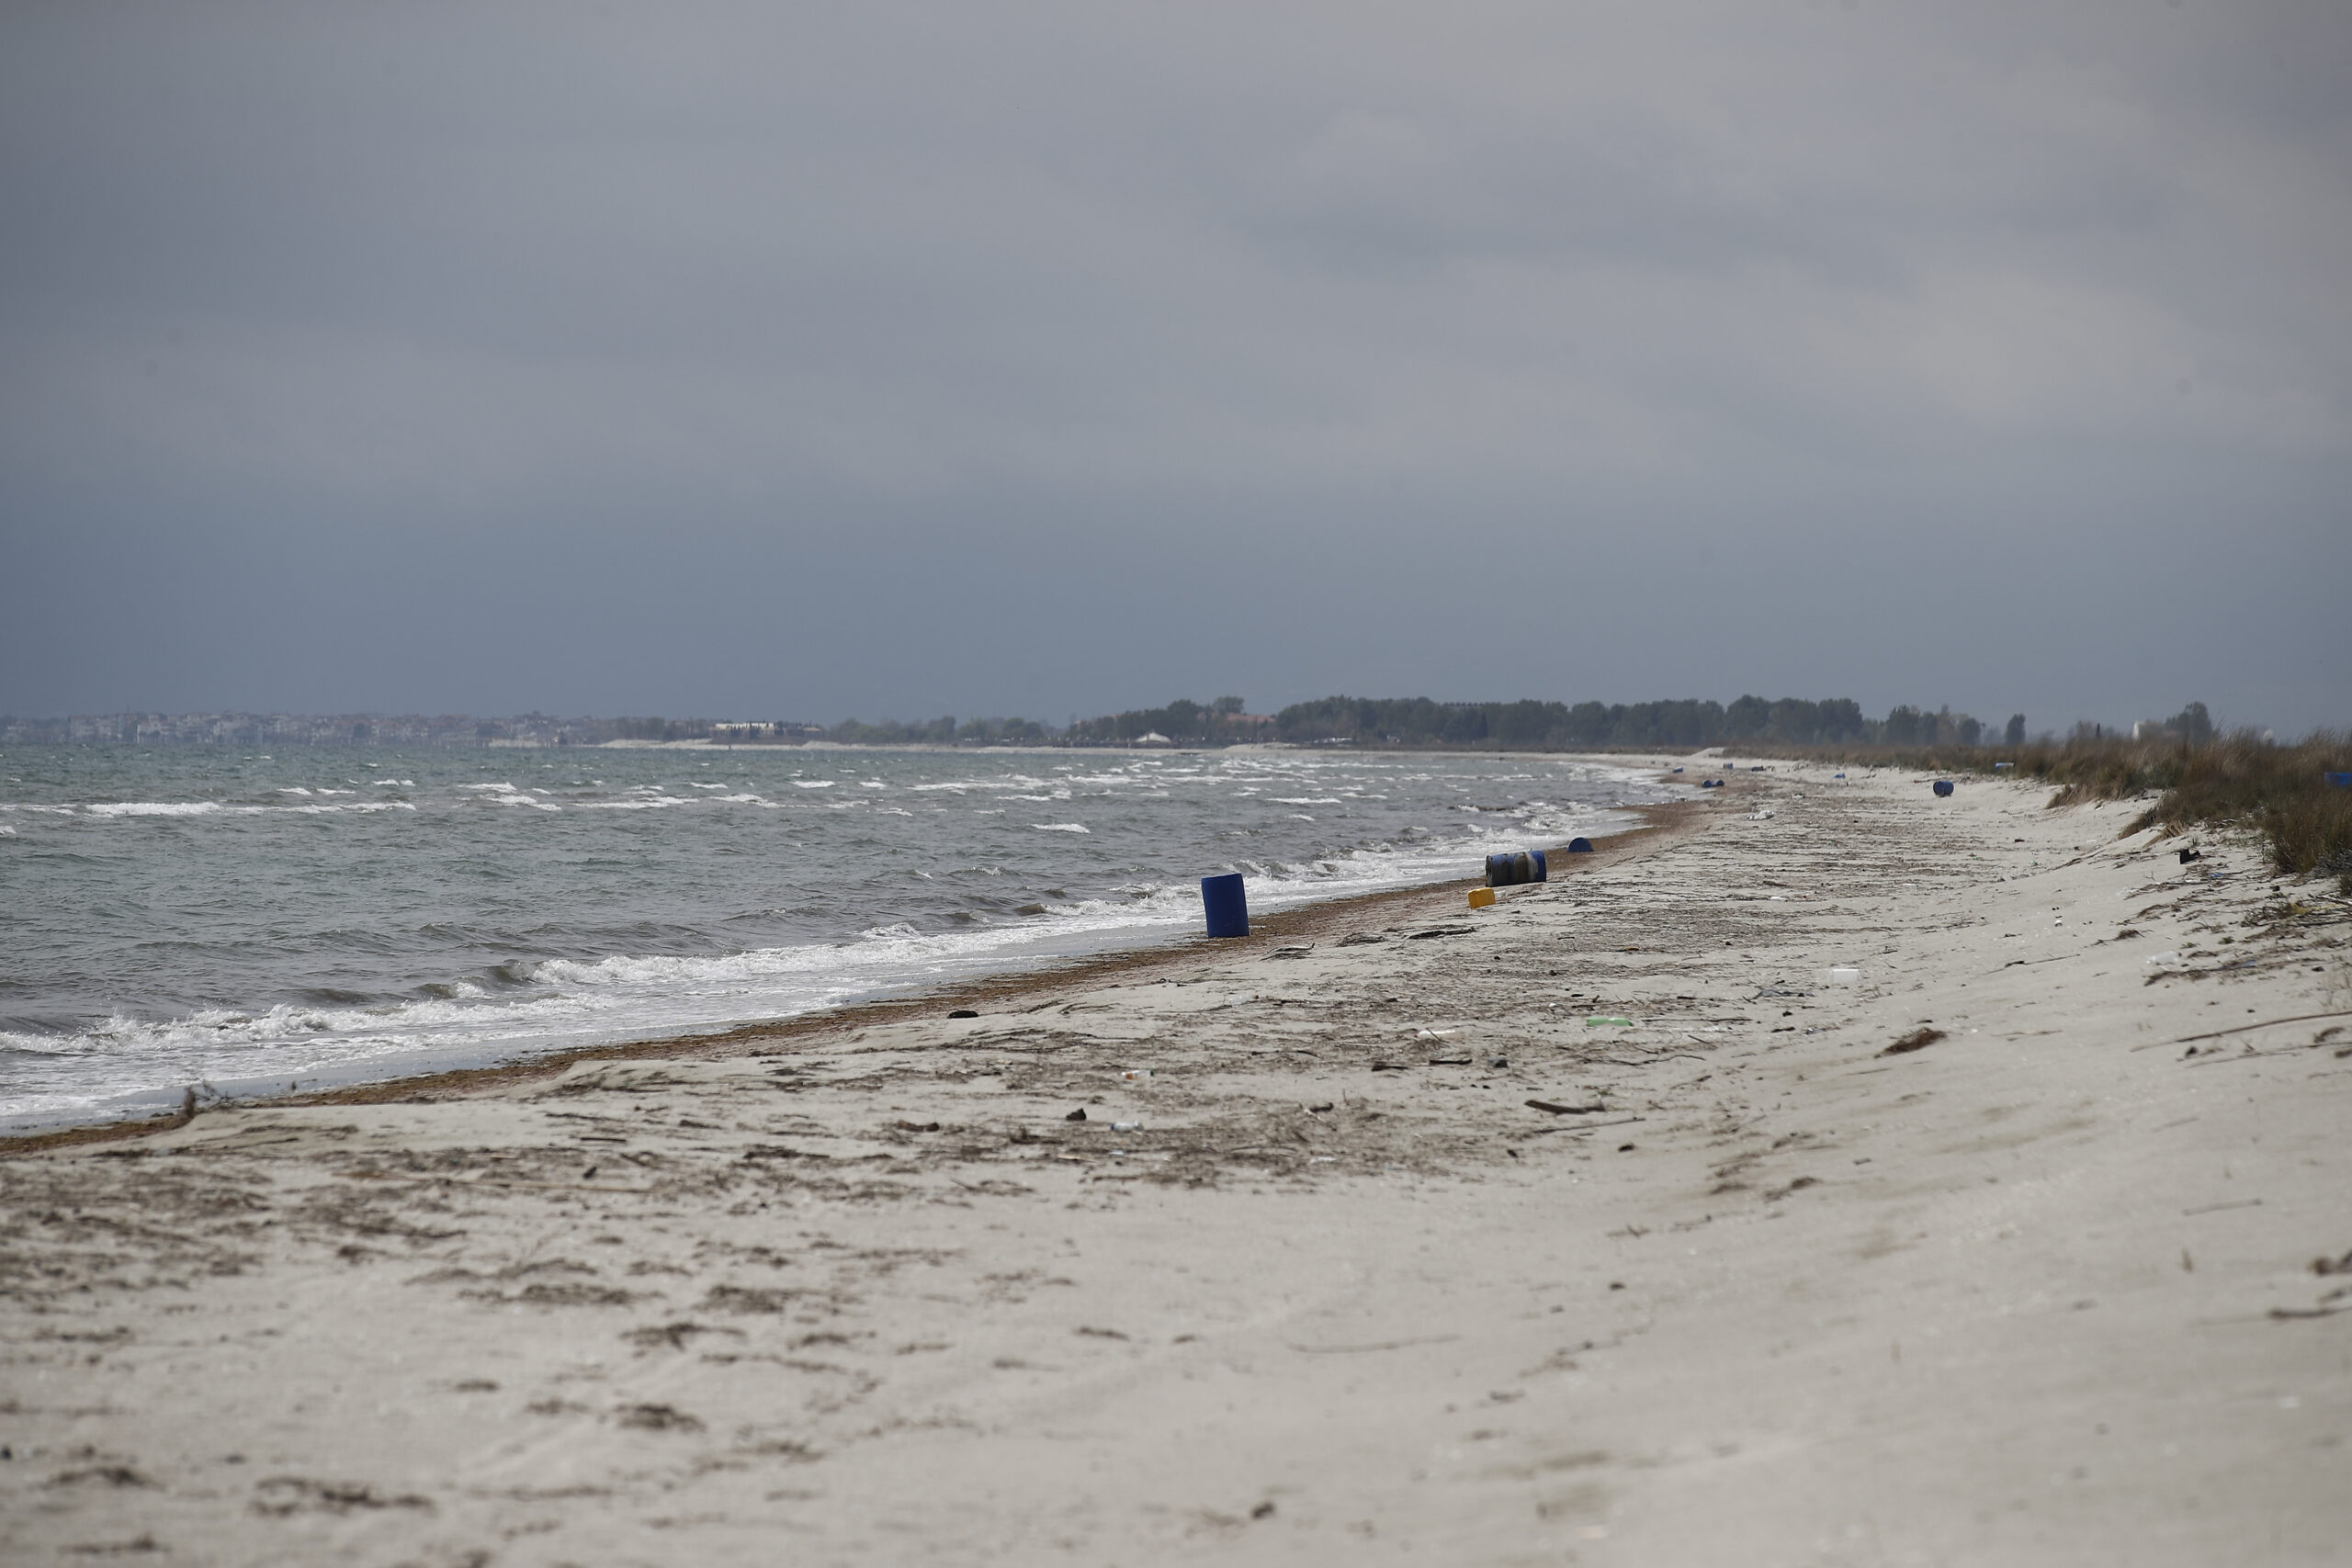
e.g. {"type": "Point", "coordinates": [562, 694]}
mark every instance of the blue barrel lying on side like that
{"type": "Point", "coordinates": [1513, 870]}
{"type": "Point", "coordinates": [1227, 905]}
{"type": "Point", "coordinates": [1579, 846]}
{"type": "Point", "coordinates": [2341, 781]}
{"type": "Point", "coordinates": [1944, 787]}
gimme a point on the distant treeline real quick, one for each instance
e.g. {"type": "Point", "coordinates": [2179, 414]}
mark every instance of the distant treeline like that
{"type": "Point", "coordinates": [1182, 722]}
{"type": "Point", "coordinates": [1689, 722]}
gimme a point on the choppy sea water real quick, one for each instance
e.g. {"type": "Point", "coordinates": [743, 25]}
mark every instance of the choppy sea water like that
{"type": "Point", "coordinates": [243, 921]}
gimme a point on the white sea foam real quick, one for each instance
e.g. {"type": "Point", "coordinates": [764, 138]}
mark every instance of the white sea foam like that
{"type": "Point", "coordinates": [154, 808]}
{"type": "Point", "coordinates": [1060, 826]}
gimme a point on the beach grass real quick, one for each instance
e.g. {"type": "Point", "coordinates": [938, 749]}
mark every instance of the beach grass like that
{"type": "Point", "coordinates": [2278, 789]}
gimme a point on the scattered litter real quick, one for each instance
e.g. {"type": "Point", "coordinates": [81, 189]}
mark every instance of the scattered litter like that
{"type": "Point", "coordinates": [1318, 1109]}
{"type": "Point", "coordinates": [1843, 977]}
{"type": "Point", "coordinates": [1449, 1060]}
{"type": "Point", "coordinates": [1498, 1061]}
{"type": "Point", "coordinates": [2159, 960]}
{"type": "Point", "coordinates": [1137, 1075]}
{"type": "Point", "coordinates": [1917, 1039]}
{"type": "Point", "coordinates": [1077, 1115]}
{"type": "Point", "coordinates": [1296, 950]}
{"type": "Point", "coordinates": [1388, 1066]}
{"type": "Point", "coordinates": [917, 1127]}
{"type": "Point", "coordinates": [963, 1012]}
{"type": "Point", "coordinates": [1435, 1034]}
{"type": "Point", "coordinates": [1608, 1020]}
{"type": "Point", "coordinates": [1551, 1109]}
{"type": "Point", "coordinates": [2187, 855]}
{"type": "Point", "coordinates": [1361, 939]}
{"type": "Point", "coordinates": [1440, 931]}
{"type": "Point", "coordinates": [1126, 1127]}
{"type": "Point", "coordinates": [1761, 815]}
{"type": "Point", "coordinates": [1944, 787]}
{"type": "Point", "coordinates": [1481, 897]}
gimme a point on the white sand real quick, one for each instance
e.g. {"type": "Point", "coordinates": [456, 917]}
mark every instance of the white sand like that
{"type": "Point", "coordinates": [2009, 1298]}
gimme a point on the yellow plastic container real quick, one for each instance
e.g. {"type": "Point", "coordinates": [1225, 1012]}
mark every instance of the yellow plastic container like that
{"type": "Point", "coordinates": [1481, 896]}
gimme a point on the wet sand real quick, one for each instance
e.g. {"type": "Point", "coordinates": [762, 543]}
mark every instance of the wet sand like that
{"type": "Point", "coordinates": [1311, 1280]}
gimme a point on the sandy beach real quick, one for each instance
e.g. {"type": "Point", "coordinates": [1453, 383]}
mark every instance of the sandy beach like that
{"type": "Point", "coordinates": [2026, 1241]}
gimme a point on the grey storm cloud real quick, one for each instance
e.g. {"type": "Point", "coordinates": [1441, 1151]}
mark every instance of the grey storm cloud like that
{"type": "Point", "coordinates": [1993, 354]}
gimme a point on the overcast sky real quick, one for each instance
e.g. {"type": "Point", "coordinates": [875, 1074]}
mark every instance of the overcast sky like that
{"type": "Point", "coordinates": [804, 361]}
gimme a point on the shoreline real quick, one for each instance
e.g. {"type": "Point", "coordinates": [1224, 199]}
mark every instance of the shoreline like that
{"type": "Point", "coordinates": [1851, 1176]}
{"type": "Point", "coordinates": [1307, 921]}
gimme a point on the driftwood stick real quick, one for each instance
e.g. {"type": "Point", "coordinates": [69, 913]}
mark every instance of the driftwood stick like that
{"type": "Point", "coordinates": [2242, 1028]}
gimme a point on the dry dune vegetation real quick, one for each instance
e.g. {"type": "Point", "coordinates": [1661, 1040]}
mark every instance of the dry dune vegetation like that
{"type": "Point", "coordinates": [2281, 790]}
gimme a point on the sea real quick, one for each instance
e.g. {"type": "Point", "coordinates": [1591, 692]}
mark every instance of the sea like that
{"type": "Point", "coordinates": [243, 922]}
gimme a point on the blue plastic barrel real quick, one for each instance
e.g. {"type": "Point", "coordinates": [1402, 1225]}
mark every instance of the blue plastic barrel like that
{"type": "Point", "coordinates": [2341, 781]}
{"type": "Point", "coordinates": [1579, 846]}
{"type": "Point", "coordinates": [1228, 906]}
{"type": "Point", "coordinates": [1944, 787]}
{"type": "Point", "coordinates": [1543, 868]}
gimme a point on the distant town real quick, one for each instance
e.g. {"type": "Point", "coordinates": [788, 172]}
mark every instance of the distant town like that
{"type": "Point", "coordinates": [1409, 722]}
